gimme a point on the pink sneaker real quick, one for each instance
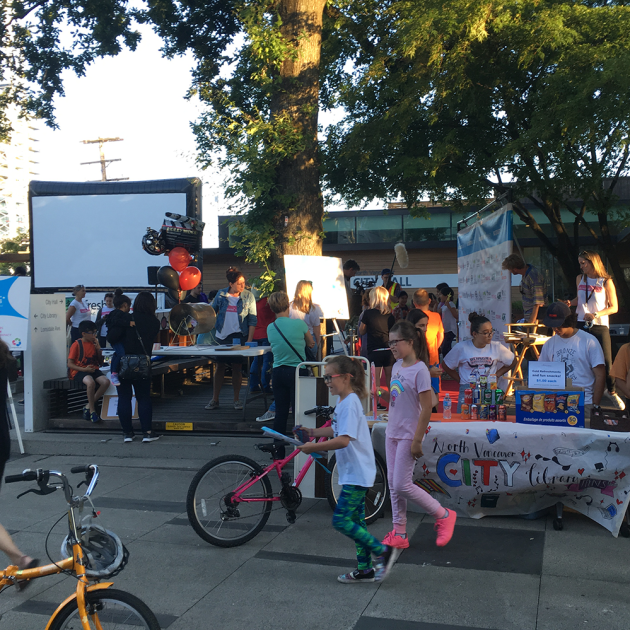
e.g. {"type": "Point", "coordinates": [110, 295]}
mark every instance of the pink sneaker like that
{"type": "Point", "coordinates": [396, 540]}
{"type": "Point", "coordinates": [444, 528]}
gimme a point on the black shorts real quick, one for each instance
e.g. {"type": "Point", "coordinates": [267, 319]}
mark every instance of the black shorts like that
{"type": "Point", "coordinates": [79, 376]}
{"type": "Point", "coordinates": [229, 341]}
{"type": "Point", "coordinates": [381, 358]}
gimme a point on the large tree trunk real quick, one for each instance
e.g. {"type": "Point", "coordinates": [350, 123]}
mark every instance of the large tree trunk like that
{"type": "Point", "coordinates": [298, 218]}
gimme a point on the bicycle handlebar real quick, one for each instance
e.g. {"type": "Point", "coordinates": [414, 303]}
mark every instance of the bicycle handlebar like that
{"type": "Point", "coordinates": [42, 477]}
{"type": "Point", "coordinates": [27, 475]}
{"type": "Point", "coordinates": [320, 410]}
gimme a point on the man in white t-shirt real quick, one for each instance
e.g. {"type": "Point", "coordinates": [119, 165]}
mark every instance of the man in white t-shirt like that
{"type": "Point", "coordinates": [579, 351]}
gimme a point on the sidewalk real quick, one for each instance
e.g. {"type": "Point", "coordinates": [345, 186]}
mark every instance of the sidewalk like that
{"type": "Point", "coordinates": [497, 573]}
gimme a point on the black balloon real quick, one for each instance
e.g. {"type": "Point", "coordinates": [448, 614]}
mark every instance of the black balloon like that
{"type": "Point", "coordinates": [168, 277]}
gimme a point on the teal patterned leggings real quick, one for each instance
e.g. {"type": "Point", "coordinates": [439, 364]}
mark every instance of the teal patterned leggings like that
{"type": "Point", "coordinates": [349, 519]}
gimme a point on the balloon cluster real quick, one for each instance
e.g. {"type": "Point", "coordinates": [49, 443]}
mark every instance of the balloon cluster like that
{"type": "Point", "coordinates": [179, 276]}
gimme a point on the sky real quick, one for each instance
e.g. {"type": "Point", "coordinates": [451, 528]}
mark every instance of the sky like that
{"type": "Point", "coordinates": [140, 97]}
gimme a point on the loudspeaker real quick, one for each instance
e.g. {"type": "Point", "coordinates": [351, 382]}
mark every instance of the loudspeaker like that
{"type": "Point", "coordinates": [152, 275]}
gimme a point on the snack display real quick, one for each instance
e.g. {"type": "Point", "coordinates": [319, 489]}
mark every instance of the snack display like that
{"type": "Point", "coordinates": [561, 403]}
{"type": "Point", "coordinates": [550, 403]}
{"type": "Point", "coordinates": [539, 403]}
{"type": "Point", "coordinates": [573, 403]}
{"type": "Point", "coordinates": [526, 402]}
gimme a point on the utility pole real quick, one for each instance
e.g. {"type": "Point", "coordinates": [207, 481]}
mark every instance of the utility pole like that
{"type": "Point", "coordinates": [103, 162]}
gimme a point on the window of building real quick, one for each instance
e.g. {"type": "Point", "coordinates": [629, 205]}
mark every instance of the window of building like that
{"type": "Point", "coordinates": [437, 227]}
{"type": "Point", "coordinates": [379, 229]}
{"type": "Point", "coordinates": [340, 231]}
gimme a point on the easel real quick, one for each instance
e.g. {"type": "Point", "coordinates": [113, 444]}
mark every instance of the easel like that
{"type": "Point", "coordinates": [339, 335]}
{"type": "Point", "coordinates": [14, 415]}
{"type": "Point", "coordinates": [521, 342]}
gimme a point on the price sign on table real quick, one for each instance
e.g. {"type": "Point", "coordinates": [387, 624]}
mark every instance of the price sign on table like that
{"type": "Point", "coordinates": [546, 375]}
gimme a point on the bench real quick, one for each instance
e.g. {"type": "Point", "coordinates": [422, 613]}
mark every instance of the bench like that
{"type": "Point", "coordinates": [67, 397]}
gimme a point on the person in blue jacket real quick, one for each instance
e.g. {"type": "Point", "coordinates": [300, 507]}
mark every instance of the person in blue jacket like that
{"type": "Point", "coordinates": [236, 321]}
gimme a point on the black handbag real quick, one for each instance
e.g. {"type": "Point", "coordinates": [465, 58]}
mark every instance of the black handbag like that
{"type": "Point", "coordinates": [135, 367]}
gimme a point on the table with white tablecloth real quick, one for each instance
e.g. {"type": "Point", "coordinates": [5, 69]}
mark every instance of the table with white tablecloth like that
{"type": "Point", "coordinates": [502, 468]}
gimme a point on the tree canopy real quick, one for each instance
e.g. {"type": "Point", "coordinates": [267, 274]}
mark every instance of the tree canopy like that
{"type": "Point", "coordinates": [462, 99]}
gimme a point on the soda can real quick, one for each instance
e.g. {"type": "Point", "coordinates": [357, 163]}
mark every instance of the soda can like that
{"type": "Point", "coordinates": [502, 413]}
{"type": "Point", "coordinates": [474, 412]}
{"type": "Point", "coordinates": [483, 382]}
{"type": "Point", "coordinates": [492, 381]}
{"type": "Point", "coordinates": [468, 396]}
{"type": "Point", "coordinates": [499, 396]}
{"type": "Point", "coordinates": [484, 412]}
{"type": "Point", "coordinates": [492, 413]}
{"type": "Point", "coordinates": [487, 396]}
{"type": "Point", "coordinates": [465, 411]}
{"type": "Point", "coordinates": [476, 396]}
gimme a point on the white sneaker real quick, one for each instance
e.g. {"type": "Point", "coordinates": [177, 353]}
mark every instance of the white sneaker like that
{"type": "Point", "coordinates": [616, 400]}
{"type": "Point", "coordinates": [266, 417]}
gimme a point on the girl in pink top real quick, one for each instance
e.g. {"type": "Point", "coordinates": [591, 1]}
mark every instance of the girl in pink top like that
{"type": "Point", "coordinates": [409, 415]}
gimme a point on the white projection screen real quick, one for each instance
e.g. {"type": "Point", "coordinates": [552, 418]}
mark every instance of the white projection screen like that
{"type": "Point", "coordinates": [96, 239]}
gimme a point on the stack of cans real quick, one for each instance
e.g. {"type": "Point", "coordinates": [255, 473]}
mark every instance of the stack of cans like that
{"type": "Point", "coordinates": [483, 401]}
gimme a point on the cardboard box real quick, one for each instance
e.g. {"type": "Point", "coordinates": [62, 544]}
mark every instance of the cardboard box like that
{"type": "Point", "coordinates": [536, 406]}
{"type": "Point", "coordinates": [610, 420]}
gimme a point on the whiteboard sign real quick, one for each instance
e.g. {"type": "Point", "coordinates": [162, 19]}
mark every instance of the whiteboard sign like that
{"type": "Point", "coordinates": [326, 274]}
{"type": "Point", "coordinates": [547, 375]}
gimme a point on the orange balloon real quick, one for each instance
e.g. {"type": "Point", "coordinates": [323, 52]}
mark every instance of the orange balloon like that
{"type": "Point", "coordinates": [179, 258]}
{"type": "Point", "coordinates": [189, 278]}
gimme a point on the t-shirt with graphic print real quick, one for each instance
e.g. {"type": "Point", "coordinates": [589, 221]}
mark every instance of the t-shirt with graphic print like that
{"type": "Point", "coordinates": [580, 354]}
{"type": "Point", "coordinates": [404, 406]}
{"type": "Point", "coordinates": [473, 362]}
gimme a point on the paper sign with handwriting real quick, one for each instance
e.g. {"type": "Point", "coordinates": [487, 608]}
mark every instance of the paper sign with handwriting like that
{"type": "Point", "coordinates": [547, 375]}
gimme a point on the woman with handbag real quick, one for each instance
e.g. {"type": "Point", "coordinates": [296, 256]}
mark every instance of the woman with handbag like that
{"type": "Point", "coordinates": [303, 308]}
{"type": "Point", "coordinates": [135, 368]}
{"type": "Point", "coordinates": [288, 338]}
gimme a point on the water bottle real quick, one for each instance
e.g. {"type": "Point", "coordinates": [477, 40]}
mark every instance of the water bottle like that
{"type": "Point", "coordinates": [446, 407]}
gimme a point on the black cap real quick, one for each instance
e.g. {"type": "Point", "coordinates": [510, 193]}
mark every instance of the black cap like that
{"type": "Point", "coordinates": [386, 271]}
{"type": "Point", "coordinates": [556, 314]}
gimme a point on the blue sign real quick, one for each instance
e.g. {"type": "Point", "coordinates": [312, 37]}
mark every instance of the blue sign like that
{"type": "Point", "coordinates": [550, 408]}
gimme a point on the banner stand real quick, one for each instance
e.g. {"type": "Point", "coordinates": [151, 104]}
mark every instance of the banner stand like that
{"type": "Point", "coordinates": [14, 415]}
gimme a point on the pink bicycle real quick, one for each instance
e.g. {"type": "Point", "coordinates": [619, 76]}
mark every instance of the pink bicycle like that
{"type": "Point", "coordinates": [230, 499]}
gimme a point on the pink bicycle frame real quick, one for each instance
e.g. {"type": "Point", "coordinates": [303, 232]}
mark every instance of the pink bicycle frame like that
{"type": "Point", "coordinates": [277, 465]}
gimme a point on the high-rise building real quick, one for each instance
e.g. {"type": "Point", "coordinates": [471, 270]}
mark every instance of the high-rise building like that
{"type": "Point", "coordinates": [17, 163]}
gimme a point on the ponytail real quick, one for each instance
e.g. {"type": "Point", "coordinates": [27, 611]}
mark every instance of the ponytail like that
{"type": "Point", "coordinates": [409, 332]}
{"type": "Point", "coordinates": [355, 368]}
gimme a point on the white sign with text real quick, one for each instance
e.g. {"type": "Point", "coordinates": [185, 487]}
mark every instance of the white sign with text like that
{"type": "Point", "coordinates": [546, 375]}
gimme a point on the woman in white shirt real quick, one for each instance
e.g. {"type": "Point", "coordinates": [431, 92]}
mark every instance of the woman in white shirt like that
{"type": "Point", "coordinates": [479, 356]}
{"type": "Point", "coordinates": [450, 315]}
{"type": "Point", "coordinates": [78, 311]}
{"type": "Point", "coordinates": [303, 308]}
{"type": "Point", "coordinates": [596, 300]}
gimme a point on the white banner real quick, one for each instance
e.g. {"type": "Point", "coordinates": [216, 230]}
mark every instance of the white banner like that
{"type": "Point", "coordinates": [483, 287]}
{"type": "Point", "coordinates": [15, 296]}
{"type": "Point", "coordinates": [498, 468]}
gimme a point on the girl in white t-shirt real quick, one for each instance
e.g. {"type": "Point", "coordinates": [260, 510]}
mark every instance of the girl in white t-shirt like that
{"type": "Point", "coordinates": [78, 311]}
{"type": "Point", "coordinates": [409, 415]}
{"type": "Point", "coordinates": [350, 435]}
{"type": "Point", "coordinates": [303, 308]}
{"type": "Point", "coordinates": [479, 356]}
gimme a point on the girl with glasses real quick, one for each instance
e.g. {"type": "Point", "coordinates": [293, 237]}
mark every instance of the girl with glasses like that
{"type": "Point", "coordinates": [479, 356]}
{"type": "Point", "coordinates": [410, 403]}
{"type": "Point", "coordinates": [350, 437]}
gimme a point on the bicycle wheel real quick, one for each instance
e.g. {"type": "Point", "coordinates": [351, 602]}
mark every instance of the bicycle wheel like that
{"type": "Point", "coordinates": [210, 510]}
{"type": "Point", "coordinates": [376, 496]}
{"type": "Point", "coordinates": [109, 609]}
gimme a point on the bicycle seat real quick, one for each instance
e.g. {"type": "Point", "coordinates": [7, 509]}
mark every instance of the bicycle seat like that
{"type": "Point", "coordinates": [270, 448]}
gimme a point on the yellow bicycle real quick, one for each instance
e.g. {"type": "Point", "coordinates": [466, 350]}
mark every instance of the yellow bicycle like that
{"type": "Point", "coordinates": [96, 553]}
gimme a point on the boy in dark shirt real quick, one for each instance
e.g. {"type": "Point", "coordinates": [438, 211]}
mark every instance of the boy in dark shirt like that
{"type": "Point", "coordinates": [117, 322]}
